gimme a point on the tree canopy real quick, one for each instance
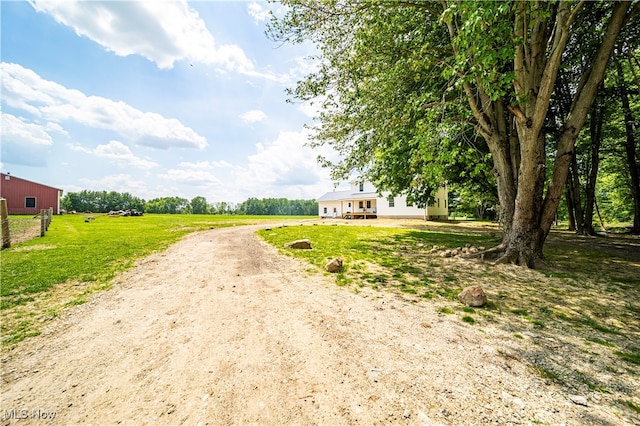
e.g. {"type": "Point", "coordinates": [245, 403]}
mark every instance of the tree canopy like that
{"type": "Point", "coordinates": [414, 93]}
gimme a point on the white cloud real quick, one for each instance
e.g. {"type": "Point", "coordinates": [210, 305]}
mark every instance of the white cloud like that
{"type": "Point", "coordinates": [161, 31]}
{"type": "Point", "coordinates": [55, 127]}
{"type": "Point", "coordinates": [284, 168]}
{"type": "Point", "coordinates": [195, 174]}
{"type": "Point", "coordinates": [258, 12]}
{"type": "Point", "coordinates": [24, 143]}
{"type": "Point", "coordinates": [15, 130]}
{"type": "Point", "coordinates": [253, 116]}
{"type": "Point", "coordinates": [24, 89]}
{"type": "Point", "coordinates": [119, 183]}
{"type": "Point", "coordinates": [118, 153]}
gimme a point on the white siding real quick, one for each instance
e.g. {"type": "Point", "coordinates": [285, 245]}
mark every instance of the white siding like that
{"type": "Point", "coordinates": [399, 209]}
{"type": "Point", "coordinates": [330, 206]}
{"type": "Point", "coordinates": [337, 204]}
{"type": "Point", "coordinates": [366, 187]}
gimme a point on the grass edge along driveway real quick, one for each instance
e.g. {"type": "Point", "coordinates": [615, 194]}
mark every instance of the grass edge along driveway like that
{"type": "Point", "coordinates": [80, 255]}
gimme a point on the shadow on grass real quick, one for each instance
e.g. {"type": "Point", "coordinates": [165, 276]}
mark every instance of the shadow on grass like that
{"type": "Point", "coordinates": [575, 322]}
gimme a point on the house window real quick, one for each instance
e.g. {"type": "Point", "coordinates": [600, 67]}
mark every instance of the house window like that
{"type": "Point", "coordinates": [361, 187]}
{"type": "Point", "coordinates": [360, 204]}
{"type": "Point", "coordinates": [368, 204]}
{"type": "Point", "coordinates": [30, 202]}
{"type": "Point", "coordinates": [325, 210]}
{"type": "Point", "coordinates": [438, 202]}
{"type": "Point", "coordinates": [392, 201]}
{"type": "Point", "coordinates": [349, 204]}
{"type": "Point", "coordinates": [335, 210]}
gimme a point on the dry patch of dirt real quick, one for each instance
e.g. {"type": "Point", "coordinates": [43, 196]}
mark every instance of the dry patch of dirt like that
{"type": "Point", "coordinates": [221, 329]}
{"type": "Point", "coordinates": [35, 247]}
{"type": "Point", "coordinates": [25, 230]}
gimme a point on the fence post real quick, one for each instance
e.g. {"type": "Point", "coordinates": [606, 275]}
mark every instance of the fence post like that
{"type": "Point", "coordinates": [49, 214]}
{"type": "Point", "coordinates": [43, 222]}
{"type": "Point", "coordinates": [4, 213]}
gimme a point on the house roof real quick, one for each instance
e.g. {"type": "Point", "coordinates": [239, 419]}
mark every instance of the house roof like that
{"type": "Point", "coordinates": [346, 196]}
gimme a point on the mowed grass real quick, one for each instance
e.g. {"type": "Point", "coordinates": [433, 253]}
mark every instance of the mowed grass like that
{"type": "Point", "coordinates": [378, 256]}
{"type": "Point", "coordinates": [76, 258]}
{"type": "Point", "coordinates": [575, 321]}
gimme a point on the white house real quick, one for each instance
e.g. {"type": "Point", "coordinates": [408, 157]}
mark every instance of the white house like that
{"type": "Point", "coordinates": [363, 202]}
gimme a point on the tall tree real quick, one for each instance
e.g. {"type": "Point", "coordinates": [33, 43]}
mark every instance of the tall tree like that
{"type": "Point", "coordinates": [199, 205]}
{"type": "Point", "coordinates": [400, 77]}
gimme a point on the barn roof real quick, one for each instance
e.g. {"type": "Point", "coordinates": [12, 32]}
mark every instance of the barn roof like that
{"type": "Point", "coordinates": [26, 180]}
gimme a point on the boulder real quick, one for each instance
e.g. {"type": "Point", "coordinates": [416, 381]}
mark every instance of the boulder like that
{"type": "Point", "coordinates": [299, 244]}
{"type": "Point", "coordinates": [334, 266]}
{"type": "Point", "coordinates": [473, 296]}
{"type": "Point", "coordinates": [446, 253]}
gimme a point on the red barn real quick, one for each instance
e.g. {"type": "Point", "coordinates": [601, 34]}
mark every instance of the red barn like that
{"type": "Point", "coordinates": [26, 197]}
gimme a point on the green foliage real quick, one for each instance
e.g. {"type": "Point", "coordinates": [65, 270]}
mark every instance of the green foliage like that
{"type": "Point", "coordinates": [198, 205]}
{"type": "Point", "coordinates": [100, 201]}
{"type": "Point", "coordinates": [414, 94]}
{"type": "Point", "coordinates": [168, 205]}
{"type": "Point", "coordinates": [103, 202]}
{"type": "Point", "coordinates": [278, 206]}
{"type": "Point", "coordinates": [384, 77]}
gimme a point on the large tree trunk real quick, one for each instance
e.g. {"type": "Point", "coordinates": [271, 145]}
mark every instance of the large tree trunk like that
{"type": "Point", "coordinates": [535, 79]}
{"type": "Point", "coordinates": [527, 212]}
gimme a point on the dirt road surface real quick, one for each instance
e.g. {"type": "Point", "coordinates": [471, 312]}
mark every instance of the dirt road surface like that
{"type": "Point", "coordinates": [221, 329]}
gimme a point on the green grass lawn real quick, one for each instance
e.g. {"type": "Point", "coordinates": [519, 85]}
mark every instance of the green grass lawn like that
{"type": "Point", "coordinates": [378, 256]}
{"type": "Point", "coordinates": [90, 253]}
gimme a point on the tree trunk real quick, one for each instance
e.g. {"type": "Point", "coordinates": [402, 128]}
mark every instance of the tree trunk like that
{"type": "Point", "coordinates": [570, 209]}
{"type": "Point", "coordinates": [573, 181]}
{"type": "Point", "coordinates": [595, 131]}
{"type": "Point", "coordinates": [527, 212]}
{"type": "Point", "coordinates": [533, 214]}
{"type": "Point", "coordinates": [630, 148]}
{"type": "Point", "coordinates": [582, 103]}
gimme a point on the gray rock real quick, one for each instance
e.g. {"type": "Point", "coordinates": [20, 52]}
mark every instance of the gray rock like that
{"type": "Point", "coordinates": [578, 400]}
{"type": "Point", "coordinates": [334, 266]}
{"type": "Point", "coordinates": [473, 296]}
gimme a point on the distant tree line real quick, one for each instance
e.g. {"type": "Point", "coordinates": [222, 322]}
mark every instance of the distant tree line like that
{"type": "Point", "coordinates": [101, 201]}
{"type": "Point", "coordinates": [104, 202]}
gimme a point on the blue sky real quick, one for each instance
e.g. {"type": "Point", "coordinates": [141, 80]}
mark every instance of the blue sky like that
{"type": "Point", "coordinates": [155, 99]}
